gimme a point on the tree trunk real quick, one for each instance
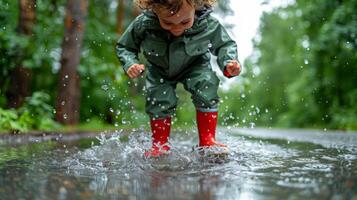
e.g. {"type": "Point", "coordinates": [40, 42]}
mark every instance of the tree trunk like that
{"type": "Point", "coordinates": [120, 17]}
{"type": "Point", "coordinates": [68, 99]}
{"type": "Point", "coordinates": [21, 77]}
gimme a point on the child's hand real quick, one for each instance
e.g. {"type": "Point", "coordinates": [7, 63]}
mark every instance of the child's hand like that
{"type": "Point", "coordinates": [135, 70]}
{"type": "Point", "coordinates": [233, 68]}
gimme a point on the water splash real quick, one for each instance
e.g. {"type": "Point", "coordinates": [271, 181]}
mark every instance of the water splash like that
{"type": "Point", "coordinates": [113, 155]}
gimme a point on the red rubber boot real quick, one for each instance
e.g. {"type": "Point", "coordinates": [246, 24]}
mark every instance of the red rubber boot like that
{"type": "Point", "coordinates": [206, 123]}
{"type": "Point", "coordinates": [160, 129]}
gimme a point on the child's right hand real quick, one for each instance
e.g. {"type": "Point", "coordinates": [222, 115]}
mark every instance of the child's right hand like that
{"type": "Point", "coordinates": [135, 70]}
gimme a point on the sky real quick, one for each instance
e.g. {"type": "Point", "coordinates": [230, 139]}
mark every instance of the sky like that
{"type": "Point", "coordinates": [246, 20]}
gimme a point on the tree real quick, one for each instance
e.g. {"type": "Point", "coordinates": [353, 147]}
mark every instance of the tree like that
{"type": "Point", "coordinates": [305, 65]}
{"type": "Point", "coordinates": [120, 17]}
{"type": "Point", "coordinates": [332, 35]}
{"type": "Point", "coordinates": [68, 98]}
{"type": "Point", "coordinates": [20, 83]}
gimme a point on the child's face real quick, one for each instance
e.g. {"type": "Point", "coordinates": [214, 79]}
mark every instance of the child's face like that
{"type": "Point", "coordinates": [178, 22]}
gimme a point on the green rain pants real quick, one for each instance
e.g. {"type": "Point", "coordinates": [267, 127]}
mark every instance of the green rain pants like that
{"type": "Point", "coordinates": [200, 81]}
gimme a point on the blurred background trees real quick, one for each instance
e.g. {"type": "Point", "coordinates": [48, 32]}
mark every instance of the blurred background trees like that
{"type": "Point", "coordinates": [304, 67]}
{"type": "Point", "coordinates": [302, 73]}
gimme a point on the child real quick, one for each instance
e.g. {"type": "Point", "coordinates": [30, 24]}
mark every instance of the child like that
{"type": "Point", "coordinates": [177, 38]}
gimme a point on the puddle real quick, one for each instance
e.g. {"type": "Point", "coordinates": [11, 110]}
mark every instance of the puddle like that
{"type": "Point", "coordinates": [107, 167]}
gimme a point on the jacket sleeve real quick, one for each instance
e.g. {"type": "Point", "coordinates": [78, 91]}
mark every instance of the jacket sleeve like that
{"type": "Point", "coordinates": [223, 46]}
{"type": "Point", "coordinates": [128, 46]}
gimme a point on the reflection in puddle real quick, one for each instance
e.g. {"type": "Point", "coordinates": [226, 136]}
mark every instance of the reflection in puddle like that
{"type": "Point", "coordinates": [254, 169]}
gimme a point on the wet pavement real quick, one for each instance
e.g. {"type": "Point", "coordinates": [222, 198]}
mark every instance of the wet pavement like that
{"type": "Point", "coordinates": [262, 164]}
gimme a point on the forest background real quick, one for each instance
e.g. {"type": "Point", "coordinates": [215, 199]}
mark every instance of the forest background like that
{"type": "Point", "coordinates": [58, 68]}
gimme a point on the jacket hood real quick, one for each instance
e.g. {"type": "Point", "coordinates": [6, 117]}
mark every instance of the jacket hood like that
{"type": "Point", "coordinates": [202, 13]}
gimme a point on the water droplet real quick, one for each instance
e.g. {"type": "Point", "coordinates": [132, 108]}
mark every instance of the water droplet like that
{"type": "Point", "coordinates": [105, 87]}
{"type": "Point", "coordinates": [66, 76]}
{"type": "Point", "coordinates": [306, 61]}
{"type": "Point", "coordinates": [242, 95]}
{"type": "Point", "coordinates": [257, 109]}
{"type": "Point", "coordinates": [161, 80]}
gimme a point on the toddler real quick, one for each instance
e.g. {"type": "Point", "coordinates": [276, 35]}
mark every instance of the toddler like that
{"type": "Point", "coordinates": [177, 37]}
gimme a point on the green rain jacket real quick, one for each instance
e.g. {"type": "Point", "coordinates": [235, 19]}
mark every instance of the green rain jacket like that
{"type": "Point", "coordinates": [184, 59]}
{"type": "Point", "coordinates": [171, 55]}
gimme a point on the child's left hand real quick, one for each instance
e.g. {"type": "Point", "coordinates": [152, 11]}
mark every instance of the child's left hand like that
{"type": "Point", "coordinates": [233, 68]}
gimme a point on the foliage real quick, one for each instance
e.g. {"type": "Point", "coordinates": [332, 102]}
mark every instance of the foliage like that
{"type": "Point", "coordinates": [9, 120]}
{"type": "Point", "coordinates": [35, 114]}
{"type": "Point", "coordinates": [8, 43]}
{"type": "Point", "coordinates": [308, 77]}
{"type": "Point", "coordinates": [302, 72]}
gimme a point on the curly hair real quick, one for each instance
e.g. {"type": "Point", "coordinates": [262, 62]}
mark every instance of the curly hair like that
{"type": "Point", "coordinates": [172, 5]}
